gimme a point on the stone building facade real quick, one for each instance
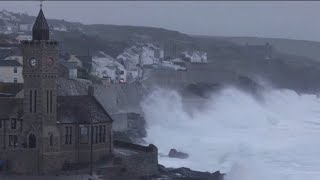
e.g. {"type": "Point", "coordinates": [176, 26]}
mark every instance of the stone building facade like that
{"type": "Point", "coordinates": [42, 132]}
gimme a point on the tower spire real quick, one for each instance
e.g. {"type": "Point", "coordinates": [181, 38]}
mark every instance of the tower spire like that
{"type": "Point", "coordinates": [40, 30]}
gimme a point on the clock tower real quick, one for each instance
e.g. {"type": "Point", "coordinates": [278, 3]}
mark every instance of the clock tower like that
{"type": "Point", "coordinates": [40, 56]}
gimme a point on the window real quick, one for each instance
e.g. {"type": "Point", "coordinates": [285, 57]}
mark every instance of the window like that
{"type": "Point", "coordinates": [47, 102]}
{"type": "Point", "coordinates": [51, 140]}
{"type": "Point", "coordinates": [13, 123]}
{"type": "Point", "coordinates": [68, 136]}
{"type": "Point", "coordinates": [15, 70]}
{"type": "Point", "coordinates": [30, 100]}
{"type": "Point", "coordinates": [122, 72]}
{"type": "Point", "coordinates": [32, 141]}
{"type": "Point", "coordinates": [35, 101]}
{"type": "Point", "coordinates": [13, 140]}
{"type": "Point", "coordinates": [0, 123]}
{"type": "Point", "coordinates": [15, 80]}
{"type": "Point", "coordinates": [104, 133]}
{"type": "Point", "coordinates": [96, 131]}
{"type": "Point", "coordinates": [100, 134]}
{"type": "Point", "coordinates": [84, 135]}
{"type": "Point", "coordinates": [51, 101]}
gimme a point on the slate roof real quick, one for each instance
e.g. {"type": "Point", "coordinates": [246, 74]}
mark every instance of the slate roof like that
{"type": "Point", "coordinates": [10, 89]}
{"type": "Point", "coordinates": [78, 109]}
{"type": "Point", "coordinates": [10, 106]}
{"type": "Point", "coordinates": [40, 30]}
{"type": "Point", "coordinates": [5, 53]}
{"type": "Point", "coordinates": [69, 65]}
{"type": "Point", "coordinates": [85, 59]}
{"type": "Point", "coordinates": [13, 63]}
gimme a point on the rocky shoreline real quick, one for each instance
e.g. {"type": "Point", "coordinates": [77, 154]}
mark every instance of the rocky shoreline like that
{"type": "Point", "coordinates": [165, 173]}
{"type": "Point", "coordinates": [186, 174]}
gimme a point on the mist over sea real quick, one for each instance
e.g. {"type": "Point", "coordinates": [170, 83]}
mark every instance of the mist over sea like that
{"type": "Point", "coordinates": [270, 136]}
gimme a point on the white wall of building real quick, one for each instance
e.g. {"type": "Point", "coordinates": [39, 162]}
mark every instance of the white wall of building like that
{"type": "Point", "coordinates": [8, 74]}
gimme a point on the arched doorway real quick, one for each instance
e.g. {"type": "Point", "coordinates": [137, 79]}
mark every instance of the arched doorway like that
{"type": "Point", "coordinates": [32, 141]}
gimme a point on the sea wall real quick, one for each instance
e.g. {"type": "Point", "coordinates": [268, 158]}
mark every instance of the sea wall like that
{"type": "Point", "coordinates": [119, 98]}
{"type": "Point", "coordinates": [137, 160]}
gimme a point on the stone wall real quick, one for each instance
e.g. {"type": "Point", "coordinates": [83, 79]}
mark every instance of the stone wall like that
{"type": "Point", "coordinates": [137, 160]}
{"type": "Point", "coordinates": [119, 98]}
{"type": "Point", "coordinates": [21, 161]}
{"type": "Point", "coordinates": [120, 122]}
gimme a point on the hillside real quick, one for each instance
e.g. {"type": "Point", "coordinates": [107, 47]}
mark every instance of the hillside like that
{"type": "Point", "coordinates": [303, 48]}
{"type": "Point", "coordinates": [294, 64]}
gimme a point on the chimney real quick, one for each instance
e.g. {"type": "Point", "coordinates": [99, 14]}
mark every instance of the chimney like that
{"type": "Point", "coordinates": [91, 90]}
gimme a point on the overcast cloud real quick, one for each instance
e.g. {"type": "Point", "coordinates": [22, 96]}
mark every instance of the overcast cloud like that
{"type": "Point", "coordinates": [295, 20]}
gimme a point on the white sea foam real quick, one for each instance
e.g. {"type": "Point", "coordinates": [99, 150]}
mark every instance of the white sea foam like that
{"type": "Point", "coordinates": [275, 137]}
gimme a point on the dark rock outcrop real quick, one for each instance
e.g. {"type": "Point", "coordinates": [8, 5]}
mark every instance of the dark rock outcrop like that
{"type": "Point", "coordinates": [176, 154]}
{"type": "Point", "coordinates": [187, 174]}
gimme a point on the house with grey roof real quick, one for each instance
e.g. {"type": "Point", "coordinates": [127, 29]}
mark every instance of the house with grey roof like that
{"type": "Point", "coordinates": [10, 71]}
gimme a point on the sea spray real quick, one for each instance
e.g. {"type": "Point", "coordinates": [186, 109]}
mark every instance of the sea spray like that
{"type": "Point", "coordinates": [269, 138]}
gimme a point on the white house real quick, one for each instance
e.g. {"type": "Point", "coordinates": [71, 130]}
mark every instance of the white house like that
{"type": "Point", "coordinates": [6, 27]}
{"type": "Point", "coordinates": [73, 58]}
{"type": "Point", "coordinates": [23, 37]}
{"type": "Point", "coordinates": [10, 71]}
{"type": "Point", "coordinates": [141, 54]}
{"type": "Point", "coordinates": [25, 27]}
{"type": "Point", "coordinates": [107, 67]}
{"type": "Point", "coordinates": [199, 57]}
{"type": "Point", "coordinates": [8, 16]}
{"type": "Point", "coordinates": [147, 56]}
{"type": "Point", "coordinates": [60, 27]}
{"type": "Point", "coordinates": [195, 56]}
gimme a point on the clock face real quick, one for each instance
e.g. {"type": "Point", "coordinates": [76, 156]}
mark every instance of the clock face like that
{"type": "Point", "coordinates": [33, 62]}
{"type": "Point", "coordinates": [50, 62]}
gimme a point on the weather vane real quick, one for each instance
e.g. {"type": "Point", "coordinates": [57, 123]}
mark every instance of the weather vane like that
{"type": "Point", "coordinates": [41, 4]}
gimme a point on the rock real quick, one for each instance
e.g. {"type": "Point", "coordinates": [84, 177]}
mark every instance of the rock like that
{"type": "Point", "coordinates": [187, 174]}
{"type": "Point", "coordinates": [176, 154]}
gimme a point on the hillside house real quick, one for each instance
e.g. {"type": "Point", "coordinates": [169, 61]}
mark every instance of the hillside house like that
{"type": "Point", "coordinates": [10, 71]}
{"type": "Point", "coordinates": [73, 58]}
{"type": "Point", "coordinates": [25, 27]}
{"type": "Point", "coordinates": [195, 56]}
{"type": "Point", "coordinates": [68, 70]}
{"type": "Point", "coordinates": [60, 27]}
{"type": "Point", "coordinates": [140, 55]}
{"type": "Point", "coordinates": [7, 27]}
{"type": "Point", "coordinates": [8, 16]}
{"type": "Point", "coordinates": [86, 62]}
{"type": "Point", "coordinates": [108, 68]}
{"type": "Point", "coordinates": [23, 37]}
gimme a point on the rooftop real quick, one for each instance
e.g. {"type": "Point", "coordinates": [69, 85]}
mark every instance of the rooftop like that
{"type": "Point", "coordinates": [11, 63]}
{"type": "Point", "coordinates": [81, 109]}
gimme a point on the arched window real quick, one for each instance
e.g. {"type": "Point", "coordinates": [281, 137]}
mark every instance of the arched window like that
{"type": "Point", "coordinates": [32, 141]}
{"type": "Point", "coordinates": [51, 140]}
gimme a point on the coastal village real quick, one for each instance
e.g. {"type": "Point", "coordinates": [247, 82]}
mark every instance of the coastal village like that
{"type": "Point", "coordinates": [63, 111]}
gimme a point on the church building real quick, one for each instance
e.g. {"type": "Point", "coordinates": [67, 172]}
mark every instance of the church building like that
{"type": "Point", "coordinates": [42, 132]}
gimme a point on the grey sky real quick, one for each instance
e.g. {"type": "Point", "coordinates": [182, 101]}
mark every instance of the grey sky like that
{"type": "Point", "coordinates": [295, 20]}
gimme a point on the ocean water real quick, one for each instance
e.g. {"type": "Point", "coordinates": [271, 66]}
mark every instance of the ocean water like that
{"type": "Point", "coordinates": [274, 136]}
